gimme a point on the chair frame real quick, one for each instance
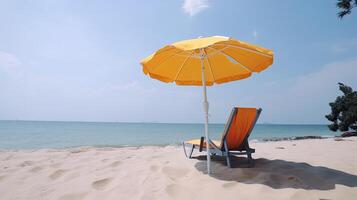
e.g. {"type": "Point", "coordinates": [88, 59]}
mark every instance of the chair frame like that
{"type": "Point", "coordinates": [223, 150]}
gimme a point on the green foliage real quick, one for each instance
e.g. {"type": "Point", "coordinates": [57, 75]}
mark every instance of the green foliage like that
{"type": "Point", "coordinates": [345, 6]}
{"type": "Point", "coordinates": [344, 110]}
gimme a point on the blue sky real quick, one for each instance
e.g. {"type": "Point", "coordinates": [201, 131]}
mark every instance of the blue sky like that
{"type": "Point", "coordinates": [79, 60]}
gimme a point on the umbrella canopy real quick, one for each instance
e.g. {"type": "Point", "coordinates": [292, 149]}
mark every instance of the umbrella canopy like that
{"type": "Point", "coordinates": [206, 61]}
{"type": "Point", "coordinates": [225, 59]}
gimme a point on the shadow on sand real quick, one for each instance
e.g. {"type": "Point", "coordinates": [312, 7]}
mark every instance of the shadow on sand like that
{"type": "Point", "coordinates": [277, 174]}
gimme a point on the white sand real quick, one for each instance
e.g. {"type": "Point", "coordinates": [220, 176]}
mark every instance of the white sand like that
{"type": "Point", "coordinates": [308, 169]}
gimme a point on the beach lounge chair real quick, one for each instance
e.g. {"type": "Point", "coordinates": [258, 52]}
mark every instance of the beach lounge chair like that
{"type": "Point", "coordinates": [234, 140]}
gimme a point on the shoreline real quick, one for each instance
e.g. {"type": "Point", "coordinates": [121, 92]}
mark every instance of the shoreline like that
{"type": "Point", "coordinates": [266, 140]}
{"type": "Point", "coordinates": [154, 122]}
{"type": "Point", "coordinates": [48, 135]}
{"type": "Point", "coordinates": [292, 138]}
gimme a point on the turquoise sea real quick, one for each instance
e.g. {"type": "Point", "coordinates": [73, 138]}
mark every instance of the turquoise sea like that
{"type": "Point", "coordinates": [44, 134]}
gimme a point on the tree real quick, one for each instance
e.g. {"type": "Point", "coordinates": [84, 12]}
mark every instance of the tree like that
{"type": "Point", "coordinates": [344, 110]}
{"type": "Point", "coordinates": [345, 6]}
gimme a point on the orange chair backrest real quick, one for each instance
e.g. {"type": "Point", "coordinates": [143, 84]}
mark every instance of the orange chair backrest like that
{"type": "Point", "coordinates": [241, 125]}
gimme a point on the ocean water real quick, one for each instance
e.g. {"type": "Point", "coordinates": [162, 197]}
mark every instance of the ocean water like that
{"type": "Point", "coordinates": [42, 134]}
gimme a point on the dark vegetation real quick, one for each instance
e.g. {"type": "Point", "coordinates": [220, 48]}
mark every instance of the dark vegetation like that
{"type": "Point", "coordinates": [344, 110]}
{"type": "Point", "coordinates": [345, 7]}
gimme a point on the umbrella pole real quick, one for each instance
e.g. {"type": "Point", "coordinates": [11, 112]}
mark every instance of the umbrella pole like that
{"type": "Point", "coordinates": [205, 107]}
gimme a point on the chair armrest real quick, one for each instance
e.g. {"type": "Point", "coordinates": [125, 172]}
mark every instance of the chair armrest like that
{"type": "Point", "coordinates": [201, 144]}
{"type": "Point", "coordinates": [250, 150]}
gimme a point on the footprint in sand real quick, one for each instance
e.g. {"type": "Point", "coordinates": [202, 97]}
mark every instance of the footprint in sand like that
{"type": "Point", "coordinates": [174, 189]}
{"type": "Point", "coordinates": [26, 163]}
{"type": "Point", "coordinates": [277, 180]}
{"type": "Point", "coordinates": [8, 158]}
{"type": "Point", "coordinates": [101, 184]}
{"type": "Point", "coordinates": [229, 185]}
{"type": "Point", "coordinates": [154, 157]}
{"type": "Point", "coordinates": [72, 176]}
{"type": "Point", "coordinates": [115, 164]}
{"type": "Point", "coordinates": [55, 165]}
{"type": "Point", "coordinates": [57, 174]}
{"type": "Point", "coordinates": [36, 169]}
{"type": "Point", "coordinates": [179, 192]}
{"type": "Point", "coordinates": [294, 179]}
{"type": "Point", "coordinates": [154, 168]}
{"type": "Point", "coordinates": [174, 173]}
{"type": "Point", "coordinates": [78, 196]}
{"type": "Point", "coordinates": [2, 178]}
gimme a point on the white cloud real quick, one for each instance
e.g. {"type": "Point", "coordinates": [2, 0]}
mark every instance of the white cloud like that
{"type": "Point", "coordinates": [10, 64]}
{"type": "Point", "coordinates": [306, 98]}
{"type": "Point", "coordinates": [192, 7]}
{"type": "Point", "coordinates": [124, 87]}
{"type": "Point", "coordinates": [344, 46]}
{"type": "Point", "coordinates": [289, 99]}
{"type": "Point", "coordinates": [129, 87]}
{"type": "Point", "coordinates": [8, 60]}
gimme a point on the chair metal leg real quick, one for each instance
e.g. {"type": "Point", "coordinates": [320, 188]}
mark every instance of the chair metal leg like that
{"type": "Point", "coordinates": [249, 153]}
{"type": "Point", "coordinates": [228, 160]}
{"type": "Point", "coordinates": [227, 154]}
{"type": "Point", "coordinates": [250, 159]}
{"type": "Point", "coordinates": [192, 148]}
{"type": "Point", "coordinates": [191, 151]}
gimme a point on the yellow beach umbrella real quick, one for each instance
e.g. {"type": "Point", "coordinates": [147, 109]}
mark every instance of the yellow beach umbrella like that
{"type": "Point", "coordinates": [204, 62]}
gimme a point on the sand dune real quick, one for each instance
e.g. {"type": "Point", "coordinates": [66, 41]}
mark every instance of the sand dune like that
{"type": "Point", "coordinates": [308, 169]}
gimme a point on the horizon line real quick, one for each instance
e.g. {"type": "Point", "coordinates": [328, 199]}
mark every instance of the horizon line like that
{"type": "Point", "coordinates": [151, 122]}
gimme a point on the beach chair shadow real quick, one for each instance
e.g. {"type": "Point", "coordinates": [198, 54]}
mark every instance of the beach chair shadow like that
{"type": "Point", "coordinates": [277, 174]}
